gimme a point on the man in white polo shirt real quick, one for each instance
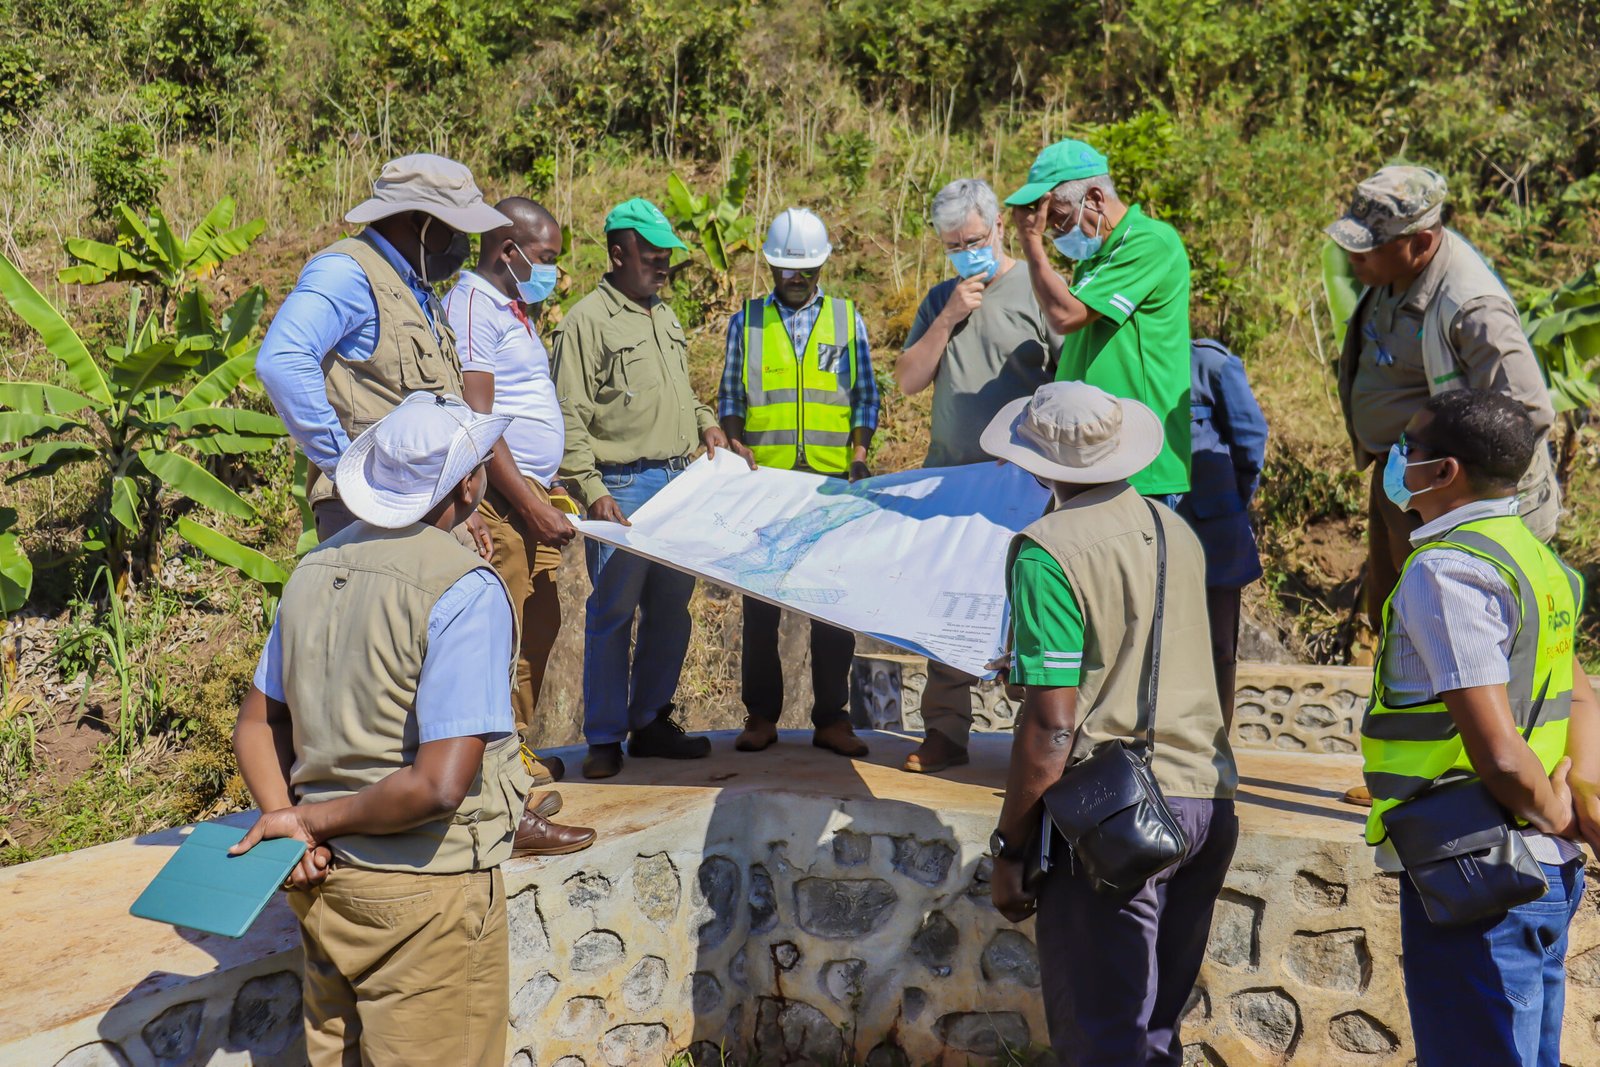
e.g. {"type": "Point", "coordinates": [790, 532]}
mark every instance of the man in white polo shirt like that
{"type": "Point", "coordinates": [506, 370]}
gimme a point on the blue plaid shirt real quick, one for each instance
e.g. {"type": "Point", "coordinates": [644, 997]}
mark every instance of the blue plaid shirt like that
{"type": "Point", "coordinates": [731, 397]}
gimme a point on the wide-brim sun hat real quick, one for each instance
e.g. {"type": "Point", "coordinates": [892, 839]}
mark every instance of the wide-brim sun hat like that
{"type": "Point", "coordinates": [409, 460]}
{"type": "Point", "coordinates": [1075, 432]}
{"type": "Point", "coordinates": [431, 184]}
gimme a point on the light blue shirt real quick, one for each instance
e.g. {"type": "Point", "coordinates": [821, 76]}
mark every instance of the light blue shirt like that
{"type": "Point", "coordinates": [465, 687]}
{"type": "Point", "coordinates": [330, 309]}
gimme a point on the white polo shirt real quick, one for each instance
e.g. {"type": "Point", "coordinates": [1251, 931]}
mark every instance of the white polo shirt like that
{"type": "Point", "coordinates": [493, 337]}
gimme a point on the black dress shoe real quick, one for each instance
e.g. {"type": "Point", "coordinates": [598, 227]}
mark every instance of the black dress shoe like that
{"type": "Point", "coordinates": [603, 761]}
{"type": "Point", "coordinates": [664, 738]}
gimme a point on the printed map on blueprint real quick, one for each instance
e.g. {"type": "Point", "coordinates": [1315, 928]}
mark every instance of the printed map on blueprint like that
{"type": "Point", "coordinates": [916, 559]}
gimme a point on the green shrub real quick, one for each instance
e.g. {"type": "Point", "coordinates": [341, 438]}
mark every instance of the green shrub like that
{"type": "Point", "coordinates": [125, 169]}
{"type": "Point", "coordinates": [21, 84]}
{"type": "Point", "coordinates": [419, 43]}
{"type": "Point", "coordinates": [199, 55]}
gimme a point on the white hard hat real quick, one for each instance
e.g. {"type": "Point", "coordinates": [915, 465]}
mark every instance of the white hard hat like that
{"type": "Point", "coordinates": [797, 238]}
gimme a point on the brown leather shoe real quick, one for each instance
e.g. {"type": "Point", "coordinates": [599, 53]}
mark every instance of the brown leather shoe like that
{"type": "Point", "coordinates": [936, 753]}
{"type": "Point", "coordinates": [756, 735]}
{"type": "Point", "coordinates": [1358, 795]}
{"type": "Point", "coordinates": [538, 836]}
{"type": "Point", "coordinates": [838, 736]}
{"type": "Point", "coordinates": [545, 804]}
{"type": "Point", "coordinates": [603, 761]}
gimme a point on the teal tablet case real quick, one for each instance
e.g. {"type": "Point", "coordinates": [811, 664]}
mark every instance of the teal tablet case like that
{"type": "Point", "coordinates": [204, 888]}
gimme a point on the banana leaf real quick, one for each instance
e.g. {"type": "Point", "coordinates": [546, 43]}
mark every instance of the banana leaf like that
{"type": "Point", "coordinates": [152, 366]}
{"type": "Point", "coordinates": [47, 457]}
{"type": "Point", "coordinates": [60, 338]}
{"type": "Point", "coordinates": [217, 220]}
{"type": "Point", "coordinates": [41, 397]}
{"type": "Point", "coordinates": [227, 245]}
{"type": "Point", "coordinates": [1340, 287]}
{"type": "Point", "coordinates": [219, 383]}
{"type": "Point", "coordinates": [1564, 331]}
{"type": "Point", "coordinates": [231, 420]}
{"type": "Point", "coordinates": [254, 565]}
{"type": "Point", "coordinates": [16, 570]}
{"type": "Point", "coordinates": [195, 482]}
{"type": "Point", "coordinates": [125, 502]}
{"type": "Point", "coordinates": [241, 318]}
{"type": "Point", "coordinates": [99, 262]}
{"type": "Point", "coordinates": [18, 426]}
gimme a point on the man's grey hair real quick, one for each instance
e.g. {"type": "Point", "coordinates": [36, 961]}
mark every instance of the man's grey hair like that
{"type": "Point", "coordinates": [1073, 191]}
{"type": "Point", "coordinates": [960, 200]}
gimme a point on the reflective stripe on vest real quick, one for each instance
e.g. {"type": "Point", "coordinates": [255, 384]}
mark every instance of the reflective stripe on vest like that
{"type": "Point", "coordinates": [797, 412]}
{"type": "Point", "coordinates": [1408, 748]}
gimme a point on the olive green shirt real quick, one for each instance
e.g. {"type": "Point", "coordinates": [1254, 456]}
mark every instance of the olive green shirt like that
{"type": "Point", "coordinates": [622, 372]}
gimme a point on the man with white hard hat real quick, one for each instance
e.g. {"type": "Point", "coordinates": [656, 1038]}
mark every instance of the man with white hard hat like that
{"type": "Point", "coordinates": [362, 327]}
{"type": "Point", "coordinates": [379, 729]}
{"type": "Point", "coordinates": [798, 392]}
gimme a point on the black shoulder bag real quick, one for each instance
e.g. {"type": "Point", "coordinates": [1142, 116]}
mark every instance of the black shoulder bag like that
{"type": "Point", "coordinates": [1463, 855]}
{"type": "Point", "coordinates": [1108, 806]}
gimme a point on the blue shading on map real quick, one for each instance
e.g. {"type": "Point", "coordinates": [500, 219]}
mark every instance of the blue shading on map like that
{"type": "Point", "coordinates": [916, 559]}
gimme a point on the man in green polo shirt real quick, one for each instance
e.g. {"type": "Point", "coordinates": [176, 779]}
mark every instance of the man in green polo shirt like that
{"type": "Point", "coordinates": [1125, 315]}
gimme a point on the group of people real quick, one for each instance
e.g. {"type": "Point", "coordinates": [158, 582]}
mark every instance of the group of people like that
{"type": "Point", "coordinates": [394, 716]}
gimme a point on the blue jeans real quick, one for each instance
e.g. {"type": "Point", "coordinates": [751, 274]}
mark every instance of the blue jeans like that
{"type": "Point", "coordinates": [1491, 991]}
{"type": "Point", "coordinates": [626, 684]}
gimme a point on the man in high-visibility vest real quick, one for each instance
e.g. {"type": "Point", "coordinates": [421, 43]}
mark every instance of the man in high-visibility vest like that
{"type": "Point", "coordinates": [797, 391]}
{"type": "Point", "coordinates": [1476, 678]}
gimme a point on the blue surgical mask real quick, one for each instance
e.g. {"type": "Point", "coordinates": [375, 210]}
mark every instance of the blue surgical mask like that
{"type": "Point", "coordinates": [541, 281]}
{"type": "Point", "coordinates": [1075, 244]}
{"type": "Point", "coordinates": [1394, 478]}
{"type": "Point", "coordinates": [970, 262]}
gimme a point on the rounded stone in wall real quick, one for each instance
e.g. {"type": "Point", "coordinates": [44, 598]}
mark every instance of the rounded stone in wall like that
{"type": "Point", "coordinates": [935, 942]}
{"type": "Point", "coordinates": [656, 889]}
{"type": "Point", "coordinates": [569, 1061]}
{"type": "Point", "coordinates": [1358, 1032]}
{"type": "Point", "coordinates": [581, 1017]}
{"type": "Point", "coordinates": [1331, 959]}
{"type": "Point", "coordinates": [799, 1029]}
{"type": "Point", "coordinates": [843, 908]}
{"type": "Point", "coordinates": [634, 1043]}
{"type": "Point", "coordinates": [842, 979]}
{"type": "Point", "coordinates": [523, 1058]}
{"type": "Point", "coordinates": [1201, 1054]}
{"type": "Point", "coordinates": [1289, 743]}
{"type": "Point", "coordinates": [532, 999]}
{"type": "Point", "coordinates": [643, 986]}
{"type": "Point", "coordinates": [1253, 733]}
{"type": "Point", "coordinates": [888, 1054]}
{"type": "Point", "coordinates": [705, 992]}
{"type": "Point", "coordinates": [266, 1013]}
{"type": "Point", "coordinates": [1011, 957]}
{"type": "Point", "coordinates": [1339, 746]}
{"type": "Point", "coordinates": [1268, 1017]}
{"type": "Point", "coordinates": [172, 1035]}
{"type": "Point", "coordinates": [98, 1054]}
{"type": "Point", "coordinates": [596, 952]}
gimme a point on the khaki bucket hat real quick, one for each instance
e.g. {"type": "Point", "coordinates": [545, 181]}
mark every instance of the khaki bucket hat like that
{"type": "Point", "coordinates": [432, 184]}
{"type": "Point", "coordinates": [1074, 432]}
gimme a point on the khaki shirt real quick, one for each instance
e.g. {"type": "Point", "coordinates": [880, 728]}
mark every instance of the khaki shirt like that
{"type": "Point", "coordinates": [622, 372]}
{"type": "Point", "coordinates": [1487, 339]}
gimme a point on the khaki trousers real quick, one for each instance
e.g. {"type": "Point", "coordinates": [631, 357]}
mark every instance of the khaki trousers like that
{"type": "Point", "coordinates": [405, 968]}
{"type": "Point", "coordinates": [947, 702]}
{"type": "Point", "coordinates": [529, 571]}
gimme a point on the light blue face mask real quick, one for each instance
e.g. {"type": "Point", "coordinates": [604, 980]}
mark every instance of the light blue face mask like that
{"type": "Point", "coordinates": [1075, 244]}
{"type": "Point", "coordinates": [970, 262]}
{"type": "Point", "coordinates": [541, 281]}
{"type": "Point", "coordinates": [1394, 478]}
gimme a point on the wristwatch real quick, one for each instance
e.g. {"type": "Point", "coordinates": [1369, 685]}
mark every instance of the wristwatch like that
{"type": "Point", "coordinates": [1001, 850]}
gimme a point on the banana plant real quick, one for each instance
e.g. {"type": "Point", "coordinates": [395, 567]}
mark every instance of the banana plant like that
{"type": "Point", "coordinates": [715, 222]}
{"type": "Point", "coordinates": [1340, 287]}
{"type": "Point", "coordinates": [1564, 330]}
{"type": "Point", "coordinates": [145, 417]}
{"type": "Point", "coordinates": [16, 569]}
{"type": "Point", "coordinates": [149, 251]}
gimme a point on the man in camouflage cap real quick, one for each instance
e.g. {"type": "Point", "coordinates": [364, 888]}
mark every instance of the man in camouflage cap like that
{"type": "Point", "coordinates": [1433, 316]}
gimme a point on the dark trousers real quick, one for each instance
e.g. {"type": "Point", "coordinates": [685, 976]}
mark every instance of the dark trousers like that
{"type": "Point", "coordinates": [1222, 608]}
{"type": "Point", "coordinates": [1117, 970]}
{"type": "Point", "coordinates": [1491, 991]}
{"type": "Point", "coordinates": [1388, 546]}
{"type": "Point", "coordinates": [761, 670]}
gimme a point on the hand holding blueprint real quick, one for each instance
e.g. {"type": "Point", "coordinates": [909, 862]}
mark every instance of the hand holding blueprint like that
{"type": "Point", "coordinates": [916, 559]}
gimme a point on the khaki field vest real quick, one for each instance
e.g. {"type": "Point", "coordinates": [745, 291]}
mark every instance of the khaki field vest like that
{"type": "Point", "coordinates": [408, 357]}
{"type": "Point", "coordinates": [1104, 540]}
{"type": "Point", "coordinates": [354, 625]}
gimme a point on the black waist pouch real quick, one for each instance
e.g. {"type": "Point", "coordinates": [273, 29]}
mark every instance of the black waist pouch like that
{"type": "Point", "coordinates": [1463, 856]}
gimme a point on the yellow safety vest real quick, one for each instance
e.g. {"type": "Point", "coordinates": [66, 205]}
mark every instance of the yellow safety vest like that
{"type": "Point", "coordinates": [1406, 749]}
{"type": "Point", "coordinates": [799, 410]}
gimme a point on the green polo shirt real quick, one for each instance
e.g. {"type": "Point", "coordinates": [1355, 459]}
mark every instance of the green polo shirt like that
{"type": "Point", "coordinates": [1139, 347]}
{"type": "Point", "coordinates": [1046, 622]}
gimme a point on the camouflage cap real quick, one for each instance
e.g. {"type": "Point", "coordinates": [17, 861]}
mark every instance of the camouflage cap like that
{"type": "Point", "coordinates": [1392, 203]}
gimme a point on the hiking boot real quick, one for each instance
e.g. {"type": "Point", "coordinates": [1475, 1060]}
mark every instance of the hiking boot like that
{"type": "Point", "coordinates": [756, 735]}
{"type": "Point", "coordinates": [545, 770]}
{"type": "Point", "coordinates": [838, 736]}
{"type": "Point", "coordinates": [1358, 795]}
{"type": "Point", "coordinates": [936, 753]}
{"type": "Point", "coordinates": [603, 761]}
{"type": "Point", "coordinates": [665, 739]}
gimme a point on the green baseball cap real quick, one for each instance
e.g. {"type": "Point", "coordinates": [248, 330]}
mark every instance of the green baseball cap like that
{"type": "Point", "coordinates": [644, 219]}
{"type": "Point", "coordinates": [1063, 161]}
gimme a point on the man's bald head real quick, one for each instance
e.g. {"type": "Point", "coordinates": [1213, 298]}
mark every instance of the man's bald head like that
{"type": "Point", "coordinates": [531, 222]}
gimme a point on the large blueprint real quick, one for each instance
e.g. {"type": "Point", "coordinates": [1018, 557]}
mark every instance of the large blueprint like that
{"type": "Point", "coordinates": [916, 559]}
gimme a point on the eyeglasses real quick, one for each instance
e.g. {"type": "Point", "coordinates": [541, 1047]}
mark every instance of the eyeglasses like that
{"type": "Point", "coordinates": [969, 245]}
{"type": "Point", "coordinates": [1406, 448]}
{"type": "Point", "coordinates": [799, 272]}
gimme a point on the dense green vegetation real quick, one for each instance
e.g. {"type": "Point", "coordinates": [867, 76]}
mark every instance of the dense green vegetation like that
{"type": "Point", "coordinates": [1244, 125]}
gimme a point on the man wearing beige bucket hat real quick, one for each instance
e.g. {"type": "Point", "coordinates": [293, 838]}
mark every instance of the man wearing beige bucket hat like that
{"type": "Point", "coordinates": [379, 728]}
{"type": "Point", "coordinates": [362, 327]}
{"type": "Point", "coordinates": [1084, 596]}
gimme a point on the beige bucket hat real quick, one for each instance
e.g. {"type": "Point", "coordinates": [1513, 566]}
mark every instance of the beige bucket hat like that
{"type": "Point", "coordinates": [433, 184]}
{"type": "Point", "coordinates": [1074, 432]}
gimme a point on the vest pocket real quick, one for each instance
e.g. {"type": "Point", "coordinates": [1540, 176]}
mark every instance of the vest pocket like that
{"type": "Point", "coordinates": [422, 367]}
